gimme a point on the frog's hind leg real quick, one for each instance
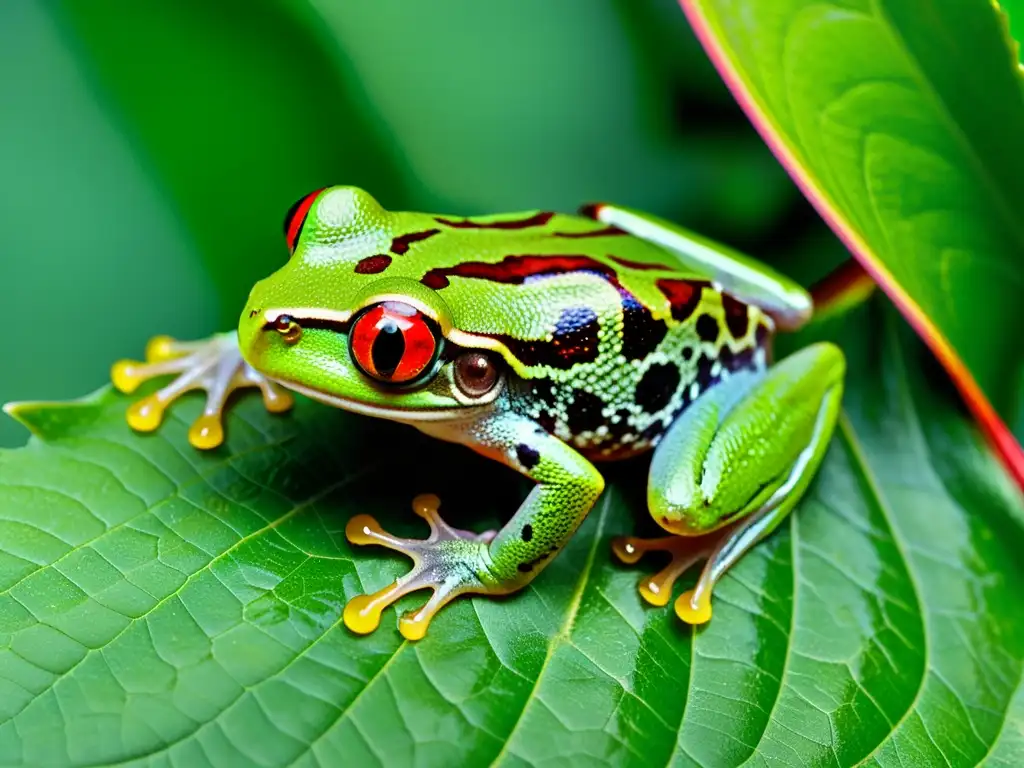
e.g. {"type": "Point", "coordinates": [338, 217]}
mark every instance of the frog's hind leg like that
{"type": "Point", "coordinates": [214, 365]}
{"type": "Point", "coordinates": [746, 279]}
{"type": "Point", "coordinates": [734, 465]}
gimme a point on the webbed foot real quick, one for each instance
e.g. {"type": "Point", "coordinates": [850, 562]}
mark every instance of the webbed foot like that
{"type": "Point", "coordinates": [214, 365]}
{"type": "Point", "coordinates": [449, 561]}
{"type": "Point", "coordinates": [693, 606]}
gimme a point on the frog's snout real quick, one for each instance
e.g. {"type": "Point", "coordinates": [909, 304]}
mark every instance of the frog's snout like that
{"type": "Point", "coordinates": [683, 526]}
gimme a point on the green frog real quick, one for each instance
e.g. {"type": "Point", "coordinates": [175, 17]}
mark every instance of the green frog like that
{"type": "Point", "coordinates": [546, 341]}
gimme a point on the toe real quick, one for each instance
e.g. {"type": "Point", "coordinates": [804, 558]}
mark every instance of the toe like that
{"type": "Point", "coordinates": [364, 529]}
{"type": "Point", "coordinates": [146, 415]}
{"type": "Point", "coordinates": [414, 624]}
{"type": "Point", "coordinates": [694, 607]}
{"type": "Point", "coordinates": [276, 400]}
{"type": "Point", "coordinates": [124, 375]}
{"type": "Point", "coordinates": [160, 348]}
{"type": "Point", "coordinates": [655, 590]}
{"type": "Point", "coordinates": [426, 505]}
{"type": "Point", "coordinates": [207, 432]}
{"type": "Point", "coordinates": [626, 550]}
{"type": "Point", "coordinates": [362, 612]}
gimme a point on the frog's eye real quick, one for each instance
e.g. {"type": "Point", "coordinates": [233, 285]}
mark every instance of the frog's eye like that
{"type": "Point", "coordinates": [296, 217]}
{"type": "Point", "coordinates": [393, 342]}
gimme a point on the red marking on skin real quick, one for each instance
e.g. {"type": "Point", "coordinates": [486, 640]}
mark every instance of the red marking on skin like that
{"type": "Point", "coordinates": [605, 232]}
{"type": "Point", "coordinates": [537, 220]}
{"type": "Point", "coordinates": [682, 295]}
{"type": "Point", "coordinates": [401, 243]}
{"type": "Point", "coordinates": [737, 316]}
{"type": "Point", "coordinates": [592, 210]}
{"type": "Point", "coordinates": [373, 265]}
{"type": "Point", "coordinates": [516, 269]}
{"type": "Point", "coordinates": [638, 264]}
{"type": "Point", "coordinates": [298, 218]}
{"type": "Point", "coordinates": [434, 281]}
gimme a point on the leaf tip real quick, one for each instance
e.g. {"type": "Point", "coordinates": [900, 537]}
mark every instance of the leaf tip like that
{"type": "Point", "coordinates": [48, 418]}
{"type": "Point", "coordinates": [21, 412]}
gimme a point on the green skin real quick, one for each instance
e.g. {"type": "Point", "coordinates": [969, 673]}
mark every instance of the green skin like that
{"type": "Point", "coordinates": [613, 333]}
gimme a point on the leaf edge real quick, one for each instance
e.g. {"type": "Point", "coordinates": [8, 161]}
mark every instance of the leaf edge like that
{"type": "Point", "coordinates": [997, 433]}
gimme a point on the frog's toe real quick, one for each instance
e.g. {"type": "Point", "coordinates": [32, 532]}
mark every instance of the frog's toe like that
{"type": "Point", "coordinates": [694, 606]}
{"type": "Point", "coordinates": [362, 613]}
{"type": "Point", "coordinates": [656, 589]}
{"type": "Point", "coordinates": [716, 549]}
{"type": "Point", "coordinates": [214, 365]}
{"type": "Point", "coordinates": [449, 561]}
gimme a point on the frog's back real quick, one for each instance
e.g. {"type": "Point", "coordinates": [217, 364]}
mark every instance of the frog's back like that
{"type": "Point", "coordinates": [609, 336]}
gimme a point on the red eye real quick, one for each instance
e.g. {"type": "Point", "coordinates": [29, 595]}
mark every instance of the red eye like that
{"type": "Point", "coordinates": [392, 342]}
{"type": "Point", "coordinates": [296, 217]}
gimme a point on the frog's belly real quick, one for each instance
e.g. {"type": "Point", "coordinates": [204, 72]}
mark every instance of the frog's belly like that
{"type": "Point", "coordinates": [624, 409]}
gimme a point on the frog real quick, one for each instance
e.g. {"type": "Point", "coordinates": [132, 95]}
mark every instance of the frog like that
{"type": "Point", "coordinates": [550, 342]}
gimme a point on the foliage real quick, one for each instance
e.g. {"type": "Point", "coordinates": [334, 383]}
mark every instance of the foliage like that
{"type": "Point", "coordinates": [900, 122]}
{"type": "Point", "coordinates": [159, 606]}
{"type": "Point", "coordinates": [167, 605]}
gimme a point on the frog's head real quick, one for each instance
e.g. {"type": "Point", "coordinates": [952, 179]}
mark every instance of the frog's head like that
{"type": "Point", "coordinates": [329, 325]}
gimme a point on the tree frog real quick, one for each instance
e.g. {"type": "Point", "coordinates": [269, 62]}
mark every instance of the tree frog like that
{"type": "Point", "coordinates": [548, 342]}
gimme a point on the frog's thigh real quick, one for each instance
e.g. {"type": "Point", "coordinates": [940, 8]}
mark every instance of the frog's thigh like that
{"type": "Point", "coordinates": [747, 279]}
{"type": "Point", "coordinates": [746, 460]}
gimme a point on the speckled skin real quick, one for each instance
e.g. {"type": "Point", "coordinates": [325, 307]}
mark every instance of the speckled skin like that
{"type": "Point", "coordinates": [602, 340]}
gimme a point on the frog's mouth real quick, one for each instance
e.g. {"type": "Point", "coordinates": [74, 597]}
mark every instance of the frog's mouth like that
{"type": "Point", "coordinates": [392, 413]}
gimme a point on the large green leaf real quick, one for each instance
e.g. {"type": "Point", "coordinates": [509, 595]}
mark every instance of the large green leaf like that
{"type": "Point", "coordinates": [902, 123]}
{"type": "Point", "coordinates": [169, 607]}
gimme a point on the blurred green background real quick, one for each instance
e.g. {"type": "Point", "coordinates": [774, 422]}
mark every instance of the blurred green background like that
{"type": "Point", "coordinates": [150, 149]}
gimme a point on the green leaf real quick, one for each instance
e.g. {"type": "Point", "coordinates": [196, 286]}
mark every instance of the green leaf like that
{"type": "Point", "coordinates": [160, 606]}
{"type": "Point", "coordinates": [902, 122]}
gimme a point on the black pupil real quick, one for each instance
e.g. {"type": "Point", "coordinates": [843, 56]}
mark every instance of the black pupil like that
{"type": "Point", "coordinates": [388, 348]}
{"type": "Point", "coordinates": [477, 369]}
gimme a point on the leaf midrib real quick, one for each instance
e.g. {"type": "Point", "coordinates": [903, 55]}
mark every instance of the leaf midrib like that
{"type": "Point", "coordinates": [794, 535]}
{"type": "Point", "coordinates": [564, 634]}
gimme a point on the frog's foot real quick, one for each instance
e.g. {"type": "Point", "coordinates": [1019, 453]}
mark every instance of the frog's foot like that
{"type": "Point", "coordinates": [694, 605]}
{"type": "Point", "coordinates": [214, 365]}
{"type": "Point", "coordinates": [449, 561]}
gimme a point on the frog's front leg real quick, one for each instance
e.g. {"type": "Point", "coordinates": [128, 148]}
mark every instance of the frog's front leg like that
{"type": "Point", "coordinates": [733, 466]}
{"type": "Point", "coordinates": [453, 562]}
{"type": "Point", "coordinates": [214, 365]}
